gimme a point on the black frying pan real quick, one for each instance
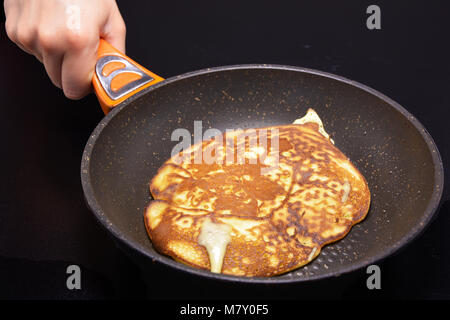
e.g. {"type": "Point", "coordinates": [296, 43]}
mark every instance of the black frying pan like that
{"type": "Point", "coordinates": [387, 144]}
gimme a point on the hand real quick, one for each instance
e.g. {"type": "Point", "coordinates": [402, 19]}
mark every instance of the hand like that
{"type": "Point", "coordinates": [64, 36]}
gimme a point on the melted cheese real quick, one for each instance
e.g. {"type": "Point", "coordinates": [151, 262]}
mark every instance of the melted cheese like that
{"type": "Point", "coordinates": [215, 238]}
{"type": "Point", "coordinates": [312, 116]}
{"type": "Point", "coordinates": [311, 255]}
{"type": "Point", "coordinates": [346, 187]}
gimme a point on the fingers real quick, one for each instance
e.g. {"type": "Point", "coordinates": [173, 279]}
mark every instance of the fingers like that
{"type": "Point", "coordinates": [64, 36]}
{"type": "Point", "coordinates": [11, 14]}
{"type": "Point", "coordinates": [78, 63]}
{"type": "Point", "coordinates": [77, 69]}
{"type": "Point", "coordinates": [114, 30]}
{"type": "Point", "coordinates": [9, 6]}
{"type": "Point", "coordinates": [18, 36]}
{"type": "Point", "coordinates": [52, 62]}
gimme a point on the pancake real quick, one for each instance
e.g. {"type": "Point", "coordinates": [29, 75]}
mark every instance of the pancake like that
{"type": "Point", "coordinates": [258, 209]}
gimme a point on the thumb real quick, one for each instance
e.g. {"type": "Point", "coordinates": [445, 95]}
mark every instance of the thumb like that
{"type": "Point", "coordinates": [114, 30]}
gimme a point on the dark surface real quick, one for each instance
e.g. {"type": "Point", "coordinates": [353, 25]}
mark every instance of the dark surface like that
{"type": "Point", "coordinates": [44, 223]}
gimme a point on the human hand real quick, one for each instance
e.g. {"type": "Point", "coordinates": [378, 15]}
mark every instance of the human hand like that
{"type": "Point", "coordinates": [64, 35]}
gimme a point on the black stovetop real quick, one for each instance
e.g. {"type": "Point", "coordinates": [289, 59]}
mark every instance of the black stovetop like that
{"type": "Point", "coordinates": [45, 224]}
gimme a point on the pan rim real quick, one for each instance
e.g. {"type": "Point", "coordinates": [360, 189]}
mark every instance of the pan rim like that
{"type": "Point", "coordinates": [407, 238]}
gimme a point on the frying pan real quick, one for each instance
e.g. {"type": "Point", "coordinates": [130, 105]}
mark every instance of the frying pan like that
{"type": "Point", "coordinates": [386, 143]}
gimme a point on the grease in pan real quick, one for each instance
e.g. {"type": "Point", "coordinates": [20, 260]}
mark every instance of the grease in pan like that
{"type": "Point", "coordinates": [257, 219]}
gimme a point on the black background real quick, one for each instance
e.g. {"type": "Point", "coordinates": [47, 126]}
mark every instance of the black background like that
{"type": "Point", "coordinates": [44, 222]}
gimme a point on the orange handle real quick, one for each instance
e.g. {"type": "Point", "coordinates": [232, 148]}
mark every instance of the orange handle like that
{"type": "Point", "coordinates": [117, 77]}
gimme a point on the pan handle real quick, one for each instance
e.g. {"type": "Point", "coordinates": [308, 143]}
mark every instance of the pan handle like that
{"type": "Point", "coordinates": [117, 77]}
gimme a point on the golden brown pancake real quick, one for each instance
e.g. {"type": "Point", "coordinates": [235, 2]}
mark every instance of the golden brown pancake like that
{"type": "Point", "coordinates": [256, 218]}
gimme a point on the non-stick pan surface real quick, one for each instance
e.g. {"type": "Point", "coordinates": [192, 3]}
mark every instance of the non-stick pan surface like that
{"type": "Point", "coordinates": [386, 143]}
